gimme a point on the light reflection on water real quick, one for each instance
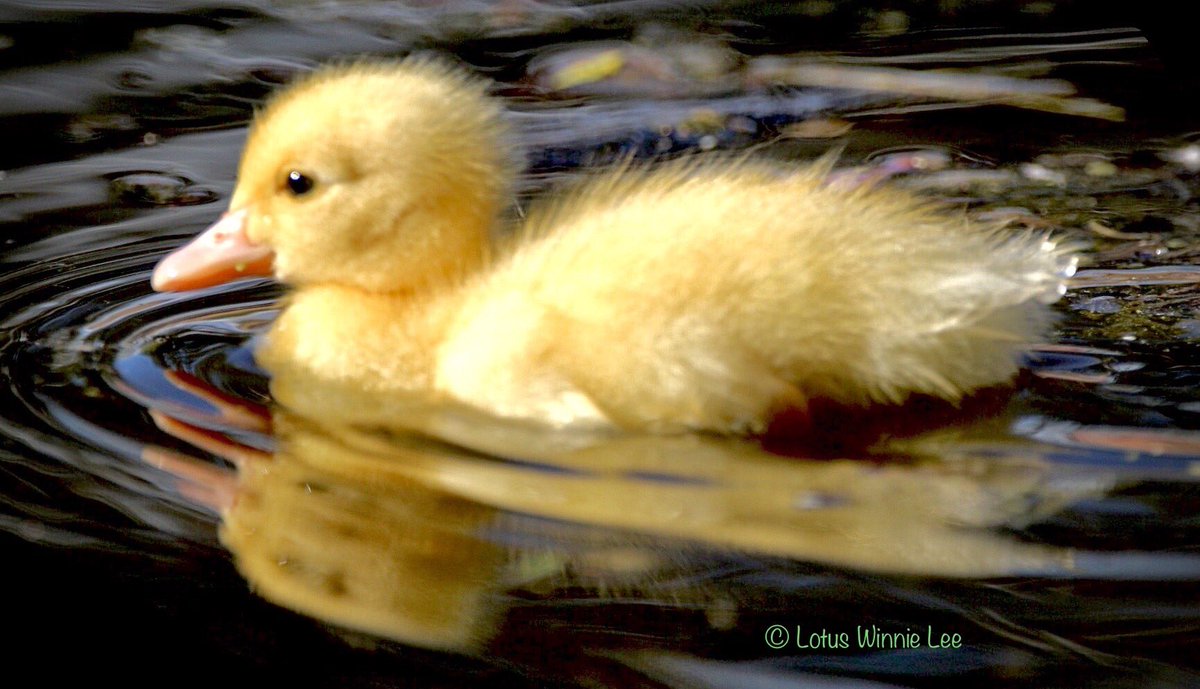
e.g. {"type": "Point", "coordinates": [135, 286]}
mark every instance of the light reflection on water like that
{"type": "Point", "coordinates": [1057, 534]}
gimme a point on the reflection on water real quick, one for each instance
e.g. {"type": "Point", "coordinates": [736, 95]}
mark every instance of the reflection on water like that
{"type": "Point", "coordinates": [415, 537]}
{"type": "Point", "coordinates": [1056, 532]}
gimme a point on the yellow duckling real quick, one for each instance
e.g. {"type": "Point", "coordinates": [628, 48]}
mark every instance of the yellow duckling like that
{"type": "Point", "coordinates": [694, 295]}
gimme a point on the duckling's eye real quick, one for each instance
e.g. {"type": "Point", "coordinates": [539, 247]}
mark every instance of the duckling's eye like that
{"type": "Point", "coordinates": [299, 183]}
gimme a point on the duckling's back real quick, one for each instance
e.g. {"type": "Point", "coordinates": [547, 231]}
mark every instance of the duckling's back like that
{"type": "Point", "coordinates": [712, 295]}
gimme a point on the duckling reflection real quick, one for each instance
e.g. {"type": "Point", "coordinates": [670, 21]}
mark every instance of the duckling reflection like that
{"type": "Point", "coordinates": [375, 553]}
{"type": "Point", "coordinates": [419, 532]}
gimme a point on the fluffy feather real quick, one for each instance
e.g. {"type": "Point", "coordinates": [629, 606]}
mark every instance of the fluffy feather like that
{"type": "Point", "coordinates": [707, 294]}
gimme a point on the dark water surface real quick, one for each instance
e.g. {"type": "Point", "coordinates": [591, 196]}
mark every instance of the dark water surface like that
{"type": "Point", "coordinates": [1055, 532]}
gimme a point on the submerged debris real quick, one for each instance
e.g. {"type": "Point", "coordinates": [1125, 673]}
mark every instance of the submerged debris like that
{"type": "Point", "coordinates": [155, 189]}
{"type": "Point", "coordinates": [661, 62]}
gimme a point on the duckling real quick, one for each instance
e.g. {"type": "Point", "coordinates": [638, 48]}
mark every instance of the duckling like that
{"type": "Point", "coordinates": [711, 294]}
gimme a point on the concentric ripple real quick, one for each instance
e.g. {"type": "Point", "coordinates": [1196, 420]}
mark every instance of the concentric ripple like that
{"type": "Point", "coordinates": [79, 359]}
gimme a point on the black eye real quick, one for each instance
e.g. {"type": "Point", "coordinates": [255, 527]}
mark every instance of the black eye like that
{"type": "Point", "coordinates": [299, 183]}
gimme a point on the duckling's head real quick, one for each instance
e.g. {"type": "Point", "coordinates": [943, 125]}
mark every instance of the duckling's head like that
{"type": "Point", "coordinates": [385, 176]}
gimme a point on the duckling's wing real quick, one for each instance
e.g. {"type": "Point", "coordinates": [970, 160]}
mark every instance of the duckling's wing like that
{"type": "Point", "coordinates": [859, 295]}
{"type": "Point", "coordinates": [681, 374]}
{"type": "Point", "coordinates": [523, 357]}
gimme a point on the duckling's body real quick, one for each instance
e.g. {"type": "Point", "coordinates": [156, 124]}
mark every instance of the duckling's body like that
{"type": "Point", "coordinates": [712, 297]}
{"type": "Point", "coordinates": [697, 295]}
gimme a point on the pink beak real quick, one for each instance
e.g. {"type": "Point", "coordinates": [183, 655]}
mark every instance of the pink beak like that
{"type": "Point", "coordinates": [218, 255]}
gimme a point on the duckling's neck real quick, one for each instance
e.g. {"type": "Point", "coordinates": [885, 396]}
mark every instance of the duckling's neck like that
{"type": "Point", "coordinates": [369, 340]}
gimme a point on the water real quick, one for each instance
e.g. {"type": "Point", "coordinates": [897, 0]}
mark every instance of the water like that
{"type": "Point", "coordinates": [1054, 530]}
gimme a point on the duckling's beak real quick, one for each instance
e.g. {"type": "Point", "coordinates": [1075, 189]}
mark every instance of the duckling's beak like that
{"type": "Point", "coordinates": [218, 255]}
